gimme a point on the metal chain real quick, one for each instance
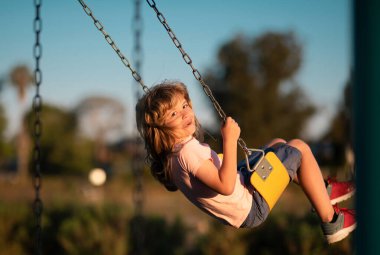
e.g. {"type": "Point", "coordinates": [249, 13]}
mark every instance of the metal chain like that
{"type": "Point", "coordinates": [196, 73]}
{"type": "Point", "coordinates": [138, 162]}
{"type": "Point", "coordinates": [137, 26]}
{"type": "Point", "coordinates": [111, 42]}
{"type": "Point", "coordinates": [37, 104]}
{"type": "Point", "coordinates": [177, 43]}
{"type": "Point", "coordinates": [137, 226]}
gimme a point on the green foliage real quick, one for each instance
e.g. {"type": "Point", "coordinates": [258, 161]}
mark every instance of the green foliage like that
{"type": "Point", "coordinates": [281, 233]}
{"type": "Point", "coordinates": [63, 150]}
{"type": "Point", "coordinates": [97, 230]}
{"type": "Point", "coordinates": [3, 122]}
{"type": "Point", "coordinates": [288, 234]}
{"type": "Point", "coordinates": [219, 240]}
{"type": "Point", "coordinates": [157, 236]}
{"type": "Point", "coordinates": [255, 83]}
{"type": "Point", "coordinates": [6, 149]}
{"type": "Point", "coordinates": [16, 229]}
{"type": "Point", "coordinates": [339, 134]}
{"type": "Point", "coordinates": [106, 229]}
{"type": "Point", "coordinates": [66, 230]}
{"type": "Point", "coordinates": [340, 131]}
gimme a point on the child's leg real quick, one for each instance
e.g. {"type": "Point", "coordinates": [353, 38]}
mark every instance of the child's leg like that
{"type": "Point", "coordinates": [337, 223]}
{"type": "Point", "coordinates": [275, 141]}
{"type": "Point", "coordinates": [280, 140]}
{"type": "Point", "coordinates": [311, 180]}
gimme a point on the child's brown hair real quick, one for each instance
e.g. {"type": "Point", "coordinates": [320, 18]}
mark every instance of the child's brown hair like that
{"type": "Point", "coordinates": [159, 139]}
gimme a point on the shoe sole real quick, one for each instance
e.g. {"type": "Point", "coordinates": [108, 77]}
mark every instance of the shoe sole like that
{"type": "Point", "coordinates": [340, 235]}
{"type": "Point", "coordinates": [342, 198]}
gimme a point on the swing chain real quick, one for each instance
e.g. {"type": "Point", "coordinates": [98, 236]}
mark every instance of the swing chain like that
{"type": "Point", "coordinates": [137, 168]}
{"type": "Point", "coordinates": [37, 105]}
{"type": "Point", "coordinates": [196, 73]}
{"type": "Point", "coordinates": [111, 42]}
{"type": "Point", "coordinates": [187, 59]}
{"type": "Point", "coordinates": [138, 228]}
{"type": "Point", "coordinates": [177, 43]}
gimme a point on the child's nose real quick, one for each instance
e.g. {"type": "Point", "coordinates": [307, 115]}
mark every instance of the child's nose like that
{"type": "Point", "coordinates": [185, 114]}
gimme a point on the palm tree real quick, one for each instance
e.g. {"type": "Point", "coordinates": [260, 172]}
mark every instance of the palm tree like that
{"type": "Point", "coordinates": [20, 78]}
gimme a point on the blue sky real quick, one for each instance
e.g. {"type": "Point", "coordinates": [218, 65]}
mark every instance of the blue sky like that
{"type": "Point", "coordinates": [77, 62]}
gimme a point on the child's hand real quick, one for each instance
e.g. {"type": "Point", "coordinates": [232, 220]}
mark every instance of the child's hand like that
{"type": "Point", "coordinates": [230, 130]}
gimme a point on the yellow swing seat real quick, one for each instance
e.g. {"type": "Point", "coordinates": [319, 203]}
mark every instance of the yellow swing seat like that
{"type": "Point", "coordinates": [270, 178]}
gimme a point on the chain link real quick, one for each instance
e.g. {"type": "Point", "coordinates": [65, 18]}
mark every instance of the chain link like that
{"type": "Point", "coordinates": [178, 45]}
{"type": "Point", "coordinates": [37, 105]}
{"type": "Point", "coordinates": [111, 42]}
{"type": "Point", "coordinates": [196, 73]}
{"type": "Point", "coordinates": [138, 228]}
{"type": "Point", "coordinates": [137, 26]}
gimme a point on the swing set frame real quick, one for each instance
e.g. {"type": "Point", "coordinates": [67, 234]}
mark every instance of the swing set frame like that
{"type": "Point", "coordinates": [268, 176]}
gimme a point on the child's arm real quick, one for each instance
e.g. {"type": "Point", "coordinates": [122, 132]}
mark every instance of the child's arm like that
{"type": "Point", "coordinates": [223, 180]}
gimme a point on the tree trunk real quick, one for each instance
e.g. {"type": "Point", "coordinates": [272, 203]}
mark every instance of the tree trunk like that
{"type": "Point", "coordinates": [23, 145]}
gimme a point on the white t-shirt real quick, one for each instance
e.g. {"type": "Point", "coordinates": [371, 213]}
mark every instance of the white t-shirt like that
{"type": "Point", "coordinates": [186, 160]}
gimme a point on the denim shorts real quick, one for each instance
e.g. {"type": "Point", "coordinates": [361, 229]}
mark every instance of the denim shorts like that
{"type": "Point", "coordinates": [290, 157]}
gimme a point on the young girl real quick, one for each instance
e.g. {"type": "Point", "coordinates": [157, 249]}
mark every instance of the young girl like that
{"type": "Point", "coordinates": [166, 122]}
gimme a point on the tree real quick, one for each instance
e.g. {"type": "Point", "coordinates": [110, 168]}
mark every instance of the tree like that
{"type": "Point", "coordinates": [6, 149]}
{"type": "Point", "coordinates": [21, 77]}
{"type": "Point", "coordinates": [2, 116]}
{"type": "Point", "coordinates": [340, 128]}
{"type": "Point", "coordinates": [254, 81]}
{"type": "Point", "coordinates": [339, 133]}
{"type": "Point", "coordinates": [102, 119]}
{"type": "Point", "coordinates": [3, 123]}
{"type": "Point", "coordinates": [63, 150]}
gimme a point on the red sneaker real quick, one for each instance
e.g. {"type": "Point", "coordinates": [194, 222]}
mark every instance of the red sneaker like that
{"type": "Point", "coordinates": [344, 224]}
{"type": "Point", "coordinates": [339, 191]}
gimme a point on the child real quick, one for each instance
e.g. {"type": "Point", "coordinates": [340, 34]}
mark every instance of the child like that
{"type": "Point", "coordinates": [171, 132]}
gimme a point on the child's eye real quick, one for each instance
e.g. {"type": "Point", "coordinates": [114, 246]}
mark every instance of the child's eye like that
{"type": "Point", "coordinates": [185, 106]}
{"type": "Point", "coordinates": [173, 114]}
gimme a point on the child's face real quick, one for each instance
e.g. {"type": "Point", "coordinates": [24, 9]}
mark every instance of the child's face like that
{"type": "Point", "coordinates": [180, 118]}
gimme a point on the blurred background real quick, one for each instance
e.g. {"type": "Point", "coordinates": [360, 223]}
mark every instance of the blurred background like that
{"type": "Point", "coordinates": [282, 69]}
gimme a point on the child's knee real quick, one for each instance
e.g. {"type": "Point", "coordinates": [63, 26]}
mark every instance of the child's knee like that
{"type": "Point", "coordinates": [300, 145]}
{"type": "Point", "coordinates": [275, 141]}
